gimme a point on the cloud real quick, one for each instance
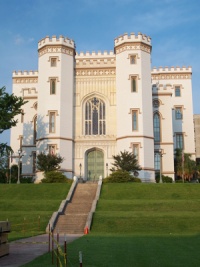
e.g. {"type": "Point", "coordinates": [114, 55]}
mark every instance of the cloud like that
{"type": "Point", "coordinates": [19, 40]}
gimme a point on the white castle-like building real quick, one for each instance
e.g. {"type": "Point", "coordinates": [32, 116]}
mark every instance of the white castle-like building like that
{"type": "Point", "coordinates": [88, 107]}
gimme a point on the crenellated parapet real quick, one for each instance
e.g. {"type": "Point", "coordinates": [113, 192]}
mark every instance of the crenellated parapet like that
{"type": "Point", "coordinates": [172, 69]}
{"type": "Point", "coordinates": [55, 44]}
{"type": "Point", "coordinates": [95, 60]}
{"type": "Point", "coordinates": [171, 73]}
{"type": "Point", "coordinates": [25, 76]}
{"type": "Point", "coordinates": [125, 38]}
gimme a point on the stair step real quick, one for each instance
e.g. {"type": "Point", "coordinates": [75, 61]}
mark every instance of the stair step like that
{"type": "Point", "coordinates": [75, 215]}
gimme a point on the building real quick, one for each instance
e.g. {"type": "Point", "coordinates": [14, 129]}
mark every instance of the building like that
{"type": "Point", "coordinates": [197, 136]}
{"type": "Point", "coordinates": [88, 107]}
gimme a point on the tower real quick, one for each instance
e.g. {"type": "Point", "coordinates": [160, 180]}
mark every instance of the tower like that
{"type": "Point", "coordinates": [55, 99]}
{"type": "Point", "coordinates": [134, 100]}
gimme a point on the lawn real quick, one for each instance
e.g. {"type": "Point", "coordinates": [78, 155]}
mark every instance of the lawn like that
{"type": "Point", "coordinates": [28, 207]}
{"type": "Point", "coordinates": [144, 225]}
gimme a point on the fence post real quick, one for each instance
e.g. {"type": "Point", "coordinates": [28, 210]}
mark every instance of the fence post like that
{"type": "Point", "coordinates": [65, 250]}
{"type": "Point", "coordinates": [52, 247]}
{"type": "Point", "coordinates": [80, 259]}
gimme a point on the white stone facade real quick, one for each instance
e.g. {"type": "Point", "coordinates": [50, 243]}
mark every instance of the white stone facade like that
{"type": "Point", "coordinates": [88, 107]}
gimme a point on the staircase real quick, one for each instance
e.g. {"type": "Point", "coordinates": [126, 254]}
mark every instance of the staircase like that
{"type": "Point", "coordinates": [75, 215]}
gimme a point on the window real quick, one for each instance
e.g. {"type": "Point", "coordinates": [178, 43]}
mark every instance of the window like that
{"type": "Point", "coordinates": [133, 84]}
{"type": "Point", "coordinates": [156, 103]}
{"type": "Point", "coordinates": [95, 117]}
{"type": "Point", "coordinates": [136, 150]}
{"type": "Point", "coordinates": [157, 161]}
{"type": "Point", "coordinates": [53, 62]}
{"type": "Point", "coordinates": [134, 120]}
{"type": "Point", "coordinates": [34, 130]}
{"type": "Point", "coordinates": [133, 59]}
{"type": "Point", "coordinates": [52, 149]}
{"type": "Point", "coordinates": [22, 116]}
{"type": "Point", "coordinates": [52, 86]}
{"type": "Point", "coordinates": [156, 127]}
{"type": "Point", "coordinates": [177, 91]}
{"type": "Point", "coordinates": [52, 118]}
{"type": "Point", "coordinates": [34, 161]}
{"type": "Point", "coordinates": [178, 113]}
{"type": "Point", "coordinates": [179, 141]}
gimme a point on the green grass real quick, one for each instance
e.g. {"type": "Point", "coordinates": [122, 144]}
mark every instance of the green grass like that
{"type": "Point", "coordinates": [28, 207]}
{"type": "Point", "coordinates": [144, 225]}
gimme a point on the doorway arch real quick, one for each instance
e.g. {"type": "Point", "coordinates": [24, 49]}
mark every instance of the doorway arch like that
{"type": "Point", "coordinates": [95, 164]}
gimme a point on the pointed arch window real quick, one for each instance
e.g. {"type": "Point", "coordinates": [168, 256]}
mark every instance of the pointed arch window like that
{"type": "Point", "coordinates": [95, 117]}
{"type": "Point", "coordinates": [156, 125]}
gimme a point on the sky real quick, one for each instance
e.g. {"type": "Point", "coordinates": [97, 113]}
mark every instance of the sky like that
{"type": "Point", "coordinates": [173, 25]}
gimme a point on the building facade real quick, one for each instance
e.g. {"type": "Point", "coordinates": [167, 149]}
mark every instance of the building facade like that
{"type": "Point", "coordinates": [88, 107]}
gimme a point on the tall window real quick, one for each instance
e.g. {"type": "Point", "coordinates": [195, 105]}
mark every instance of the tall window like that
{"type": "Point", "coordinates": [52, 86]}
{"type": "Point", "coordinates": [52, 118]}
{"type": "Point", "coordinates": [133, 84]}
{"type": "Point", "coordinates": [177, 91]}
{"type": "Point", "coordinates": [53, 62]}
{"type": "Point", "coordinates": [178, 113]}
{"type": "Point", "coordinates": [136, 150]}
{"type": "Point", "coordinates": [156, 126]}
{"type": "Point", "coordinates": [34, 130]}
{"type": "Point", "coordinates": [157, 161]}
{"type": "Point", "coordinates": [133, 59]}
{"type": "Point", "coordinates": [34, 161]}
{"type": "Point", "coordinates": [179, 141]}
{"type": "Point", "coordinates": [52, 149]}
{"type": "Point", "coordinates": [95, 117]}
{"type": "Point", "coordinates": [134, 120]}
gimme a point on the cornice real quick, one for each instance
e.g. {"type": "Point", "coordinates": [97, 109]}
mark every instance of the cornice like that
{"type": "Point", "coordinates": [56, 49]}
{"type": "Point", "coordinates": [135, 136]}
{"type": "Point", "coordinates": [25, 80]}
{"type": "Point", "coordinates": [171, 76]}
{"type": "Point", "coordinates": [133, 46]}
{"type": "Point", "coordinates": [96, 72]}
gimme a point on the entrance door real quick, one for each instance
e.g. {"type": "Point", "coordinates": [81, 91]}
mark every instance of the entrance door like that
{"type": "Point", "coordinates": [95, 164]}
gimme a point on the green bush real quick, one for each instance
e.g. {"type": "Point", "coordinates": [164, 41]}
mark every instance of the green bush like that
{"type": "Point", "coordinates": [26, 180]}
{"type": "Point", "coordinates": [120, 176]}
{"type": "Point", "coordinates": [55, 177]}
{"type": "Point", "coordinates": [165, 179]}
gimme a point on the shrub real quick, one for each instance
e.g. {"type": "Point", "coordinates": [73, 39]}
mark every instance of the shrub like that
{"type": "Point", "coordinates": [120, 176]}
{"type": "Point", "coordinates": [26, 180]}
{"type": "Point", "coordinates": [165, 179]}
{"type": "Point", "coordinates": [55, 177]}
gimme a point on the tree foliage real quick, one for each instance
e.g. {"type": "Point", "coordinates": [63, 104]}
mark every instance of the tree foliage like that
{"type": "Point", "coordinates": [55, 177]}
{"type": "Point", "coordinates": [125, 161]}
{"type": "Point", "coordinates": [49, 162]}
{"type": "Point", "coordinates": [184, 166]}
{"type": "Point", "coordinates": [10, 106]}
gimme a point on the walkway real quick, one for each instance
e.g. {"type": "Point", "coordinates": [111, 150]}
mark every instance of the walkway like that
{"type": "Point", "coordinates": [25, 250]}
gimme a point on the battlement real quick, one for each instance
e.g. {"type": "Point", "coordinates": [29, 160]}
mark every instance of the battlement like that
{"type": "Point", "coordinates": [93, 54]}
{"type": "Point", "coordinates": [61, 40]}
{"type": "Point", "coordinates": [25, 73]}
{"type": "Point", "coordinates": [171, 69]}
{"type": "Point", "coordinates": [132, 38]}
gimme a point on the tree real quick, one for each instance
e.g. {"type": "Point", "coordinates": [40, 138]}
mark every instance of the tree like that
{"type": "Point", "coordinates": [49, 162]}
{"type": "Point", "coordinates": [10, 106]}
{"type": "Point", "coordinates": [184, 166]}
{"type": "Point", "coordinates": [125, 161]}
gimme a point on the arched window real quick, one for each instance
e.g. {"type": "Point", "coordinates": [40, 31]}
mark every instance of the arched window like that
{"type": "Point", "coordinates": [156, 126]}
{"type": "Point", "coordinates": [95, 117]}
{"type": "Point", "coordinates": [34, 130]}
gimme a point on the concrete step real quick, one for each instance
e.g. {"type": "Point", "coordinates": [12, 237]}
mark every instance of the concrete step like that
{"type": "Point", "coordinates": [78, 208]}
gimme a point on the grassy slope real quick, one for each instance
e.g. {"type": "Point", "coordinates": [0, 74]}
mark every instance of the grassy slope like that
{"type": "Point", "coordinates": [144, 225]}
{"type": "Point", "coordinates": [29, 206]}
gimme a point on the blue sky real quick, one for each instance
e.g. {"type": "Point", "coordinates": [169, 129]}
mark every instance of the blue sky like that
{"type": "Point", "coordinates": [173, 25]}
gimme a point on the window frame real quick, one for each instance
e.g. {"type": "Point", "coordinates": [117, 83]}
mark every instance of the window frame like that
{"type": "Point", "coordinates": [52, 124]}
{"type": "Point", "coordinates": [177, 87]}
{"type": "Point", "coordinates": [179, 140]}
{"type": "Point", "coordinates": [134, 119]}
{"type": "Point", "coordinates": [157, 133]}
{"type": "Point", "coordinates": [178, 115]}
{"type": "Point", "coordinates": [53, 88]}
